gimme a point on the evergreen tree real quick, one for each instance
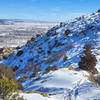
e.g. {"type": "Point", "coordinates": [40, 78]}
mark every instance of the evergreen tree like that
{"type": "Point", "coordinates": [88, 61]}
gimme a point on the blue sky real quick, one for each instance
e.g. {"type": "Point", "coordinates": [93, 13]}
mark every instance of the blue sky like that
{"type": "Point", "coordinates": [47, 10]}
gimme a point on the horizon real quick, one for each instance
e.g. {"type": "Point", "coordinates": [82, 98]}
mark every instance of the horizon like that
{"type": "Point", "coordinates": [44, 10]}
{"type": "Point", "coordinates": [29, 20]}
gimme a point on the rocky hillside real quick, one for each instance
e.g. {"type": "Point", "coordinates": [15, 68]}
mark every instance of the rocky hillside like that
{"type": "Point", "coordinates": [61, 46]}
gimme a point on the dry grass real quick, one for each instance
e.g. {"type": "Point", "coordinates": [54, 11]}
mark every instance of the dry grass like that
{"type": "Point", "coordinates": [95, 78]}
{"type": "Point", "coordinates": [91, 77]}
{"type": "Point", "coordinates": [45, 94]}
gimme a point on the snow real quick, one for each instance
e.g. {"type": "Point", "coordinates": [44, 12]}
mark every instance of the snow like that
{"type": "Point", "coordinates": [63, 78]}
{"type": "Point", "coordinates": [35, 96]}
{"type": "Point", "coordinates": [64, 81]}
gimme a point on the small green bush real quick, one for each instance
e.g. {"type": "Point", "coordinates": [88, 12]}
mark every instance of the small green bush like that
{"type": "Point", "coordinates": [8, 72]}
{"type": "Point", "coordinates": [7, 87]}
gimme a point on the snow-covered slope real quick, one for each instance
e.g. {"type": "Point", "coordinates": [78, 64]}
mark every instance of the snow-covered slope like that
{"type": "Point", "coordinates": [56, 48]}
{"type": "Point", "coordinates": [57, 79]}
{"type": "Point", "coordinates": [35, 96]}
{"type": "Point", "coordinates": [64, 84]}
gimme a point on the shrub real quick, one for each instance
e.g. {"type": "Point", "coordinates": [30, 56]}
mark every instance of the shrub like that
{"type": "Point", "coordinates": [20, 87]}
{"type": "Point", "coordinates": [16, 96]}
{"type": "Point", "coordinates": [98, 11]}
{"type": "Point", "coordinates": [45, 94]}
{"type": "Point", "coordinates": [97, 79]}
{"type": "Point", "coordinates": [22, 79]}
{"type": "Point", "coordinates": [70, 68]}
{"type": "Point", "coordinates": [21, 60]}
{"type": "Point", "coordinates": [90, 27]}
{"type": "Point", "coordinates": [7, 87]}
{"type": "Point", "coordinates": [32, 39]}
{"type": "Point", "coordinates": [1, 50]}
{"type": "Point", "coordinates": [94, 78]}
{"type": "Point", "coordinates": [7, 71]}
{"type": "Point", "coordinates": [67, 32]}
{"type": "Point", "coordinates": [91, 77]}
{"type": "Point", "coordinates": [49, 52]}
{"type": "Point", "coordinates": [36, 70]}
{"type": "Point", "coordinates": [57, 43]}
{"type": "Point", "coordinates": [62, 24]}
{"type": "Point", "coordinates": [5, 56]}
{"type": "Point", "coordinates": [17, 47]}
{"type": "Point", "coordinates": [88, 61]}
{"type": "Point", "coordinates": [49, 68]}
{"type": "Point", "coordinates": [40, 51]}
{"type": "Point", "coordinates": [38, 35]}
{"type": "Point", "coordinates": [19, 53]}
{"type": "Point", "coordinates": [14, 68]}
{"type": "Point", "coordinates": [31, 59]}
{"type": "Point", "coordinates": [65, 58]}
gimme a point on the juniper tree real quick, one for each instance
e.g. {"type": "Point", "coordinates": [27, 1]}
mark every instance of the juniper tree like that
{"type": "Point", "coordinates": [88, 61]}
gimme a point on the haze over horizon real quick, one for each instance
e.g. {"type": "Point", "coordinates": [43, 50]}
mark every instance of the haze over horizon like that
{"type": "Point", "coordinates": [46, 10]}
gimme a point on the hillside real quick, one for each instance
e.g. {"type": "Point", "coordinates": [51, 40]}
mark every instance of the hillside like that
{"type": "Point", "coordinates": [61, 46]}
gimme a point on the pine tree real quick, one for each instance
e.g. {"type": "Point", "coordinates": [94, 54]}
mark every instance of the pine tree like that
{"type": "Point", "coordinates": [88, 61]}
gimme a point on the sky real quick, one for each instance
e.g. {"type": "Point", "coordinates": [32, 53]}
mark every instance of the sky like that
{"type": "Point", "coordinates": [47, 10]}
